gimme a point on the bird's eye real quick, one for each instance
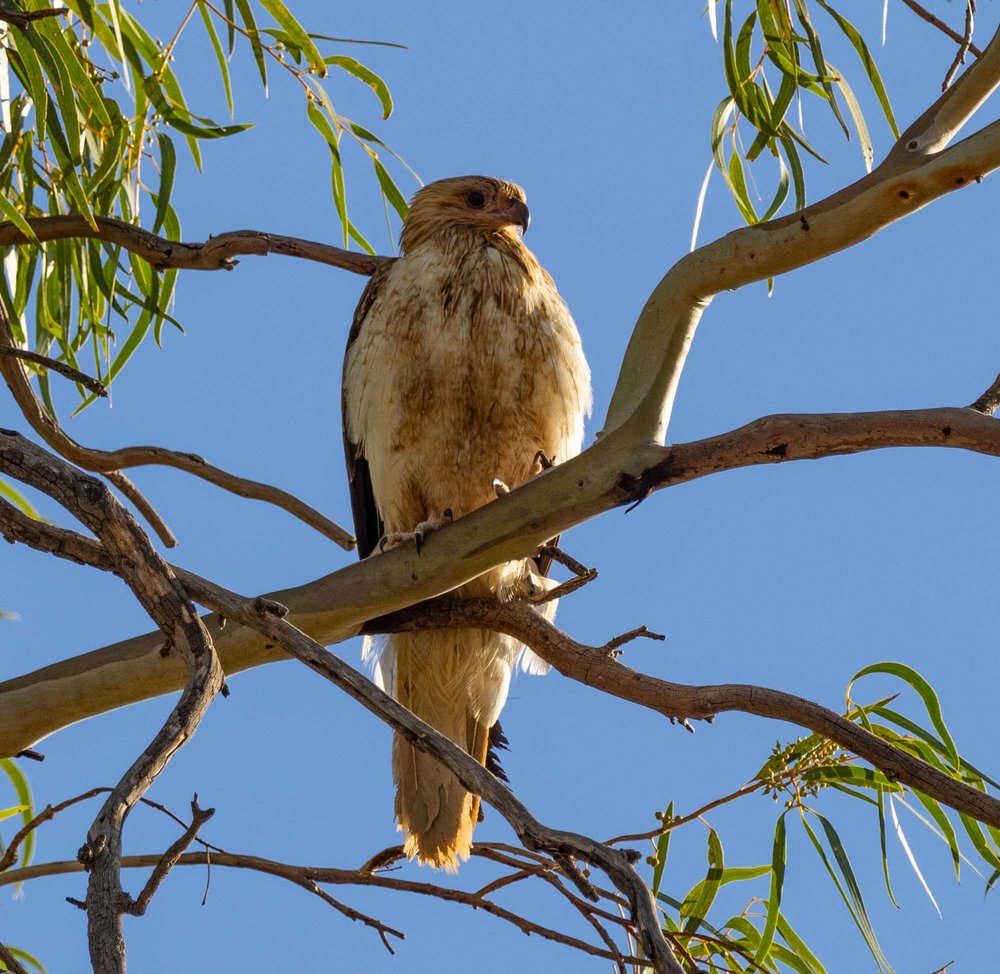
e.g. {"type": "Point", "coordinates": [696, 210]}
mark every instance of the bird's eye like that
{"type": "Point", "coordinates": [476, 200]}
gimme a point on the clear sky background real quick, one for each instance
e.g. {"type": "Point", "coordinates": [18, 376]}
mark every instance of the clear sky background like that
{"type": "Point", "coordinates": [793, 576]}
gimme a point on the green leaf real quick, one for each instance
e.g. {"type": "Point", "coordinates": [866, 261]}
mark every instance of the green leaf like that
{"type": "Point", "coordinates": [246, 13]}
{"type": "Point", "coordinates": [168, 164]}
{"type": "Point", "coordinates": [849, 890]}
{"type": "Point", "coordinates": [858, 117]}
{"type": "Point", "coordinates": [27, 958]}
{"type": "Point", "coordinates": [368, 76]}
{"type": "Point", "coordinates": [779, 850]}
{"type": "Point", "coordinates": [220, 55]}
{"type": "Point", "coordinates": [19, 500]}
{"type": "Point", "coordinates": [944, 831]}
{"type": "Point", "coordinates": [926, 692]}
{"type": "Point", "coordinates": [699, 899]}
{"type": "Point", "coordinates": [798, 945]}
{"type": "Point", "coordinates": [910, 856]}
{"type": "Point", "coordinates": [23, 791]}
{"type": "Point", "coordinates": [180, 118]}
{"type": "Point", "coordinates": [390, 190]}
{"type": "Point", "coordinates": [298, 34]}
{"type": "Point", "coordinates": [822, 69]}
{"type": "Point", "coordinates": [867, 61]}
{"type": "Point", "coordinates": [10, 212]}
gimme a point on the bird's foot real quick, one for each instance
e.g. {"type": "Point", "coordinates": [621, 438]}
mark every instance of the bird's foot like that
{"type": "Point", "coordinates": [499, 487]}
{"type": "Point", "coordinates": [542, 462]}
{"type": "Point", "coordinates": [418, 535]}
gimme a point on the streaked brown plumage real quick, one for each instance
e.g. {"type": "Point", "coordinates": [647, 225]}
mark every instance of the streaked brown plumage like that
{"type": "Point", "coordinates": [463, 363]}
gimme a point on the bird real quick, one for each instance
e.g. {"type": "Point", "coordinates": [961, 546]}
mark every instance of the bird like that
{"type": "Point", "coordinates": [464, 374]}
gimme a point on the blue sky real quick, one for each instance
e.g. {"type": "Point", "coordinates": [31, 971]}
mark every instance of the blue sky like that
{"type": "Point", "coordinates": [793, 576]}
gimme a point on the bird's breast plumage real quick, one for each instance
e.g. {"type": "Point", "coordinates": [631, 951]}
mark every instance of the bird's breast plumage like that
{"type": "Point", "coordinates": [466, 364]}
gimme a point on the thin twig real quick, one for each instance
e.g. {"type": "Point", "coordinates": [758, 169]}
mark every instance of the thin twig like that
{"type": "Point", "coordinates": [561, 590]}
{"type": "Point", "coordinates": [67, 371]}
{"type": "Point", "coordinates": [106, 461]}
{"type": "Point", "coordinates": [24, 19]}
{"type": "Point", "coordinates": [613, 646]}
{"type": "Point", "coordinates": [963, 50]}
{"type": "Point", "coordinates": [925, 14]}
{"type": "Point", "coordinates": [567, 561]}
{"type": "Point", "coordinates": [143, 506]}
{"type": "Point", "coordinates": [302, 875]}
{"type": "Point", "coordinates": [11, 854]}
{"type": "Point", "coordinates": [161, 594]}
{"type": "Point", "coordinates": [169, 859]}
{"type": "Point", "coordinates": [217, 253]}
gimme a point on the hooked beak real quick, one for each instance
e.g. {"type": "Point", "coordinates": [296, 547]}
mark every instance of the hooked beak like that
{"type": "Point", "coordinates": [516, 214]}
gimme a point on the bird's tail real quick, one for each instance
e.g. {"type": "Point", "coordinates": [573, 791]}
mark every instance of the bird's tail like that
{"type": "Point", "coordinates": [457, 682]}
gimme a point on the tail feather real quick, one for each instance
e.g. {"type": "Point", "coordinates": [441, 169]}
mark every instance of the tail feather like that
{"type": "Point", "coordinates": [457, 682]}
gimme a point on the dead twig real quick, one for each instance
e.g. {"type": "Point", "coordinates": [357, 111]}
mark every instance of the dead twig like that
{"type": "Point", "coordinates": [613, 646]}
{"type": "Point", "coordinates": [311, 877]}
{"type": "Point", "coordinates": [133, 558]}
{"type": "Point", "coordinates": [24, 19]}
{"type": "Point", "coordinates": [963, 50]}
{"type": "Point", "coordinates": [143, 506]}
{"type": "Point", "coordinates": [219, 252]}
{"type": "Point", "coordinates": [12, 853]}
{"type": "Point", "coordinates": [53, 365]}
{"type": "Point", "coordinates": [925, 14]}
{"type": "Point", "coordinates": [168, 860]}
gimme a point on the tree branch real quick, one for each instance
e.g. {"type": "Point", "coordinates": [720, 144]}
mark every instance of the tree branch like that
{"type": "Point", "coordinates": [925, 14]}
{"type": "Point", "coordinates": [304, 876]}
{"type": "Point", "coordinates": [216, 253]}
{"type": "Point", "coordinates": [161, 594]}
{"type": "Point", "coordinates": [10, 961]}
{"type": "Point", "coordinates": [25, 19]}
{"type": "Point", "coordinates": [913, 174]}
{"type": "Point", "coordinates": [334, 607]}
{"type": "Point", "coordinates": [67, 371]}
{"type": "Point", "coordinates": [595, 667]}
{"type": "Point", "coordinates": [108, 462]}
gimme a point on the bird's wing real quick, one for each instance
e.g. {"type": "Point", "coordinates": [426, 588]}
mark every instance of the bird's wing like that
{"type": "Point", "coordinates": [368, 527]}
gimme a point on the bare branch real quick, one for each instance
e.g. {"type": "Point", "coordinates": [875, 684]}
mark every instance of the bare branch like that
{"type": "Point", "coordinates": [108, 461]}
{"type": "Point", "coordinates": [307, 877]}
{"type": "Point", "coordinates": [593, 666]}
{"type": "Point", "coordinates": [143, 506]}
{"type": "Point", "coordinates": [963, 50]}
{"type": "Point", "coordinates": [332, 608]}
{"type": "Point", "coordinates": [11, 853]}
{"type": "Point", "coordinates": [913, 174]}
{"type": "Point", "coordinates": [925, 14]}
{"type": "Point", "coordinates": [25, 19]}
{"type": "Point", "coordinates": [169, 859]}
{"type": "Point", "coordinates": [54, 365]}
{"type": "Point", "coordinates": [216, 253]}
{"type": "Point", "coordinates": [163, 597]}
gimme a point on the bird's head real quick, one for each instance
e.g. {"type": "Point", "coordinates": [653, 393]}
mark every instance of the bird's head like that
{"type": "Point", "coordinates": [476, 204]}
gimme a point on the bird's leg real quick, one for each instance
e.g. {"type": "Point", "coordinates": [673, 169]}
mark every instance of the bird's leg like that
{"type": "Point", "coordinates": [418, 535]}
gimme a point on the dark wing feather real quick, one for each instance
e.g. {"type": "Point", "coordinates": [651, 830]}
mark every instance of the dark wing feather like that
{"type": "Point", "coordinates": [368, 527]}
